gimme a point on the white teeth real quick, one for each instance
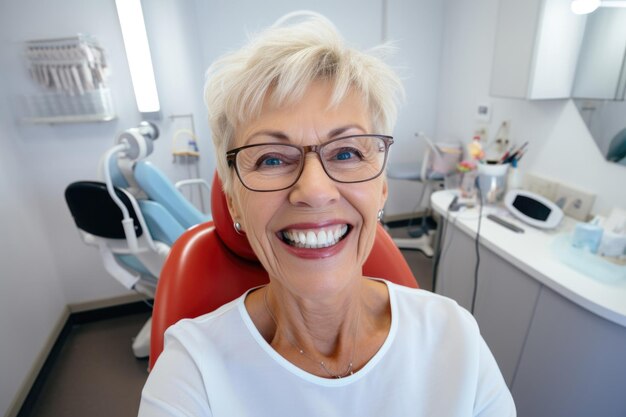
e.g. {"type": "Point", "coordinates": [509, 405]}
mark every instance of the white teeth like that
{"type": "Point", "coordinates": [321, 238]}
{"type": "Point", "coordinates": [315, 238]}
{"type": "Point", "coordinates": [311, 239]}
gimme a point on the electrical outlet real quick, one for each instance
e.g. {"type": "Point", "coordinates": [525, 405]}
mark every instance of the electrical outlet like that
{"type": "Point", "coordinates": [483, 112]}
{"type": "Point", "coordinates": [541, 186]}
{"type": "Point", "coordinates": [574, 202]}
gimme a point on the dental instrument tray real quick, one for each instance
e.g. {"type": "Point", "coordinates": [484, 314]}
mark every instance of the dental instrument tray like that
{"type": "Point", "coordinates": [533, 209]}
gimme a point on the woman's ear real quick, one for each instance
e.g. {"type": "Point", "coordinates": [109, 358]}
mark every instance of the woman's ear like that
{"type": "Point", "coordinates": [232, 208]}
{"type": "Point", "coordinates": [385, 193]}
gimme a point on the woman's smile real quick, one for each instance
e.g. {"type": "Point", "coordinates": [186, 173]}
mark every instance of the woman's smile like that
{"type": "Point", "coordinates": [314, 238]}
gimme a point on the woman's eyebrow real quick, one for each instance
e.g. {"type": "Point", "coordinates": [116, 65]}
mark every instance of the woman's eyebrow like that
{"type": "Point", "coordinates": [276, 134]}
{"type": "Point", "coordinates": [340, 130]}
{"type": "Point", "coordinates": [282, 137]}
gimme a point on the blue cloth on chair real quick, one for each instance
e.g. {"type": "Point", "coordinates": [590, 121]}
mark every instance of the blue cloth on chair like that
{"type": "Point", "coordinates": [162, 225]}
{"type": "Point", "coordinates": [160, 189]}
{"type": "Point", "coordinates": [166, 221]}
{"type": "Point", "coordinates": [163, 228]}
{"type": "Point", "coordinates": [117, 178]}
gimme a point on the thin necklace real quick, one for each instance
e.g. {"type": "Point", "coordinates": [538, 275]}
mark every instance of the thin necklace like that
{"type": "Point", "coordinates": [347, 372]}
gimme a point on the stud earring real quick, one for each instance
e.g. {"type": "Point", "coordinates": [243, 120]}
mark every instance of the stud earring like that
{"type": "Point", "coordinates": [379, 216]}
{"type": "Point", "coordinates": [237, 227]}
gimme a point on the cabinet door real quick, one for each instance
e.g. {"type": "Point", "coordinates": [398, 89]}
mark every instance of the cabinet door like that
{"type": "Point", "coordinates": [505, 300]}
{"type": "Point", "coordinates": [573, 364]}
{"type": "Point", "coordinates": [601, 65]}
{"type": "Point", "coordinates": [513, 52]}
{"type": "Point", "coordinates": [536, 49]}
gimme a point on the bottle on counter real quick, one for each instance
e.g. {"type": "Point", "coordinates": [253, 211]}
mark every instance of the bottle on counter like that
{"type": "Point", "coordinates": [514, 178]}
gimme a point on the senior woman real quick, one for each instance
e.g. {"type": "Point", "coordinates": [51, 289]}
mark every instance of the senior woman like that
{"type": "Point", "coordinates": [300, 123]}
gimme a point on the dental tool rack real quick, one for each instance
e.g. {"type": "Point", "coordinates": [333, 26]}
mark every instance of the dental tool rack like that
{"type": "Point", "coordinates": [72, 73]}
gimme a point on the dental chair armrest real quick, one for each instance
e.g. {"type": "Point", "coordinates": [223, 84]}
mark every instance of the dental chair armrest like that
{"type": "Point", "coordinates": [127, 279]}
{"type": "Point", "coordinates": [193, 181]}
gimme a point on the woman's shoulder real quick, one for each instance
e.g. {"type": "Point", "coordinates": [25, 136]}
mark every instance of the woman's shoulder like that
{"type": "Point", "coordinates": [422, 306]}
{"type": "Point", "coordinates": [206, 324]}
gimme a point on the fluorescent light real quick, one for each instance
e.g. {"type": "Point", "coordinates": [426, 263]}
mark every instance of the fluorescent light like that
{"type": "Point", "coordinates": [138, 54]}
{"type": "Point", "coordinates": [584, 6]}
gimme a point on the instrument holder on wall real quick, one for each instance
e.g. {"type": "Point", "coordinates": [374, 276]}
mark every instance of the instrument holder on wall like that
{"type": "Point", "coordinates": [70, 74]}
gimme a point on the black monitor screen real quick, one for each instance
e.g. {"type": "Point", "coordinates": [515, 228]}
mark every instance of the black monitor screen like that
{"type": "Point", "coordinates": [531, 207]}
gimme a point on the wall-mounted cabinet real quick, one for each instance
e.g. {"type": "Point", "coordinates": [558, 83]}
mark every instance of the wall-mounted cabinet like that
{"type": "Point", "coordinates": [536, 49]}
{"type": "Point", "coordinates": [601, 72]}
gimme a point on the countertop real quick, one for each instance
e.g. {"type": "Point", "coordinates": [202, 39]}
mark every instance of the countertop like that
{"type": "Point", "coordinates": [536, 252]}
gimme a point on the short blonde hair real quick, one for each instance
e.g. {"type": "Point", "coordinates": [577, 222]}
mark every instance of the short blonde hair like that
{"type": "Point", "coordinates": [279, 64]}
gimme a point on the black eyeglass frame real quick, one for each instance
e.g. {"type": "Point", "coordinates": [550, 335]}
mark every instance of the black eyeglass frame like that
{"type": "Point", "coordinates": [231, 158]}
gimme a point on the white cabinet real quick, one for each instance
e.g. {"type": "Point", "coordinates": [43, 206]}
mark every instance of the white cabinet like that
{"type": "Point", "coordinates": [536, 49]}
{"type": "Point", "coordinates": [505, 300]}
{"type": "Point", "coordinates": [572, 364]}
{"type": "Point", "coordinates": [558, 358]}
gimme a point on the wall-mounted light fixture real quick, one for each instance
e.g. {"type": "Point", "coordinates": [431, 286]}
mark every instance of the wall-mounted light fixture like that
{"type": "Point", "coordinates": [138, 55]}
{"type": "Point", "coordinates": [589, 6]}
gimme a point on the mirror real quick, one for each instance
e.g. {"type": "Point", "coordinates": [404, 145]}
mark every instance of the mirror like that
{"type": "Point", "coordinates": [600, 86]}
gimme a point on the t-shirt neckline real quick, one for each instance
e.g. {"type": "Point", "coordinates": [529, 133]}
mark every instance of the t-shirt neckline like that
{"type": "Point", "coordinates": [329, 382]}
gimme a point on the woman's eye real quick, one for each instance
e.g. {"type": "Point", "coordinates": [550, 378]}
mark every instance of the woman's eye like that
{"type": "Point", "coordinates": [272, 161]}
{"type": "Point", "coordinates": [276, 160]}
{"type": "Point", "coordinates": [347, 154]}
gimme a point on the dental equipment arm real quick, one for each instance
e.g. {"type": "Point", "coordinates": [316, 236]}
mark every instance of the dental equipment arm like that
{"type": "Point", "coordinates": [135, 143]}
{"type": "Point", "coordinates": [127, 223]}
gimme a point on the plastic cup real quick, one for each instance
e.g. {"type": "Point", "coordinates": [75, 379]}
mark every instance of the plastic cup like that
{"type": "Point", "coordinates": [492, 182]}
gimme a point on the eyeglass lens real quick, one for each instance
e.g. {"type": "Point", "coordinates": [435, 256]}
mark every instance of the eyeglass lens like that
{"type": "Point", "coordinates": [267, 167]}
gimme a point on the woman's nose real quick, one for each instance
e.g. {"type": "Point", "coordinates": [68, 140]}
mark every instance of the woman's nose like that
{"type": "Point", "coordinates": [314, 188]}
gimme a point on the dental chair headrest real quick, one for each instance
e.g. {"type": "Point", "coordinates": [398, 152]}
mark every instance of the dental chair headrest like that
{"type": "Point", "coordinates": [224, 223]}
{"type": "Point", "coordinates": [140, 140]}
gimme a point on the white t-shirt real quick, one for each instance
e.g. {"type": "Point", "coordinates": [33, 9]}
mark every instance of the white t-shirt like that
{"type": "Point", "coordinates": [433, 363]}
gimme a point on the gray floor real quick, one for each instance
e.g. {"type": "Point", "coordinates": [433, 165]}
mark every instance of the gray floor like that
{"type": "Point", "coordinates": [97, 375]}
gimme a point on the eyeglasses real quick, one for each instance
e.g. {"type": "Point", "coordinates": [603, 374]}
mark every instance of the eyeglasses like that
{"type": "Point", "coordinates": [278, 166]}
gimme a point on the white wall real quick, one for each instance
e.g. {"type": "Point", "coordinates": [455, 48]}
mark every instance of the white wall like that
{"type": "Point", "coordinates": [416, 28]}
{"type": "Point", "coordinates": [31, 294]}
{"type": "Point", "coordinates": [560, 147]}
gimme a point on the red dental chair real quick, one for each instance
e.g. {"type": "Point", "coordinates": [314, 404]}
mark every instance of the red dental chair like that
{"type": "Point", "coordinates": [210, 265]}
